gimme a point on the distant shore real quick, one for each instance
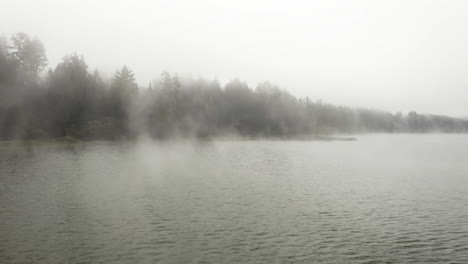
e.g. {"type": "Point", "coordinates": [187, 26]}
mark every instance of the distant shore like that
{"type": "Point", "coordinates": [47, 142]}
{"type": "Point", "coordinates": [292, 138]}
{"type": "Point", "coordinates": [73, 141]}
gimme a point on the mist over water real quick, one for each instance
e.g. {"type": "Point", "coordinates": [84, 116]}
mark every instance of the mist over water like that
{"type": "Point", "coordinates": [206, 131]}
{"type": "Point", "coordinates": [382, 198]}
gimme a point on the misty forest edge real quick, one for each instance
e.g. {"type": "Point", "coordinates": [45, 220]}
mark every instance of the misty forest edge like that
{"type": "Point", "coordinates": [69, 101]}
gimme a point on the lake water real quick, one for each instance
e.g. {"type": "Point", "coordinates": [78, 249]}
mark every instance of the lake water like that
{"type": "Point", "coordinates": [380, 199]}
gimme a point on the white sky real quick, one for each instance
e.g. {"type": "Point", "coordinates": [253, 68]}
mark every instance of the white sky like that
{"type": "Point", "coordinates": [390, 55]}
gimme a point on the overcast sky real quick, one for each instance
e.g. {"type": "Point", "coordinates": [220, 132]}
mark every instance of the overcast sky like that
{"type": "Point", "coordinates": [390, 55]}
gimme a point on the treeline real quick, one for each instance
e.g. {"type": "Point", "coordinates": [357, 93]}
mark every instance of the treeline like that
{"type": "Point", "coordinates": [72, 101]}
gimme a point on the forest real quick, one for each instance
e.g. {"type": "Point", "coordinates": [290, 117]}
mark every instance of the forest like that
{"type": "Point", "coordinates": [70, 100]}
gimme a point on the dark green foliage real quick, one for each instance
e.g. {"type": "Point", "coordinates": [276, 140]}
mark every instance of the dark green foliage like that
{"type": "Point", "coordinates": [72, 102]}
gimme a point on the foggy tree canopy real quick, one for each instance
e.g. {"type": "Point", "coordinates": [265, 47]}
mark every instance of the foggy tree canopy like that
{"type": "Point", "coordinates": [71, 100]}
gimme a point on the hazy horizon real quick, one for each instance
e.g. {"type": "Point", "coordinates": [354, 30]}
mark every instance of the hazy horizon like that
{"type": "Point", "coordinates": [394, 56]}
{"type": "Point", "coordinates": [262, 131]}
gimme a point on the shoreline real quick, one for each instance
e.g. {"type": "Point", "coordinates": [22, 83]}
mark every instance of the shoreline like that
{"type": "Point", "coordinates": [75, 141]}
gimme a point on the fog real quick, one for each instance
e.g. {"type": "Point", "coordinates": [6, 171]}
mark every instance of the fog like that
{"type": "Point", "coordinates": [233, 131]}
{"type": "Point", "coordinates": [393, 55]}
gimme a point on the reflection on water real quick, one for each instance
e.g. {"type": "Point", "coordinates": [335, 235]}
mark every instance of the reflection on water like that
{"type": "Point", "coordinates": [381, 199]}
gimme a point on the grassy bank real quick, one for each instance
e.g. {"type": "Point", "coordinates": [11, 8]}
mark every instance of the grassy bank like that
{"type": "Point", "coordinates": [64, 141]}
{"type": "Point", "coordinates": [42, 142]}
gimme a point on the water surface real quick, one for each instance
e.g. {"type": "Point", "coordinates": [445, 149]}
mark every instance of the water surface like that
{"type": "Point", "coordinates": [380, 199]}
